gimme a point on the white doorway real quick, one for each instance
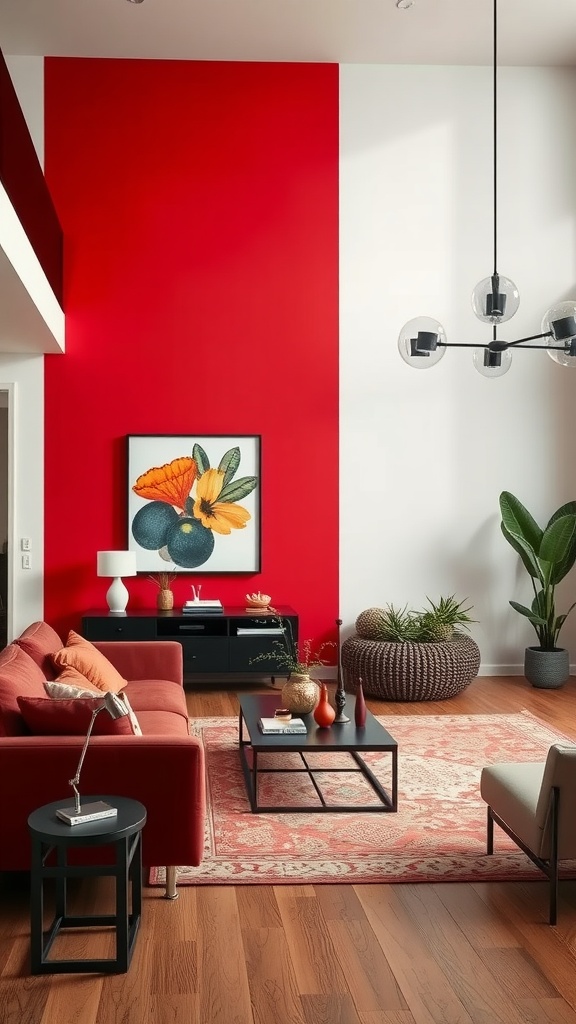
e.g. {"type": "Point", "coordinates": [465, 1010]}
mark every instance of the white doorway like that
{"type": "Point", "coordinates": [6, 507]}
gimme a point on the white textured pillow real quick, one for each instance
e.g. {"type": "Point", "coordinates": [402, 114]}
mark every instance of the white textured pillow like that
{"type": "Point", "coordinates": [131, 714]}
{"type": "Point", "coordinates": [64, 690]}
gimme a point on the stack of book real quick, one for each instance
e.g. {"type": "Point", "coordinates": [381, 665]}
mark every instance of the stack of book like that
{"type": "Point", "coordinates": [190, 607]}
{"type": "Point", "coordinates": [273, 726]}
{"type": "Point", "coordinates": [258, 631]}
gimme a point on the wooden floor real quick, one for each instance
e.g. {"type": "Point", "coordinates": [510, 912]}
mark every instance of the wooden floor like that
{"type": "Point", "coordinates": [450, 953]}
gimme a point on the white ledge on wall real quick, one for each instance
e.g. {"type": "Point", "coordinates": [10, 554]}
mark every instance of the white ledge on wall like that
{"type": "Point", "coordinates": [31, 318]}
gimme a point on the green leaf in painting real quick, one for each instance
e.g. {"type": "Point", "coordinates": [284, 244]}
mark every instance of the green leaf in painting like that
{"type": "Point", "coordinates": [202, 460]}
{"type": "Point", "coordinates": [229, 464]}
{"type": "Point", "coordinates": [189, 506]}
{"type": "Point", "coordinates": [239, 489]}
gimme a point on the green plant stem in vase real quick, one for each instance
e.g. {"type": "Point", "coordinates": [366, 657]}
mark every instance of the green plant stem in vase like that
{"type": "Point", "coordinates": [300, 693]}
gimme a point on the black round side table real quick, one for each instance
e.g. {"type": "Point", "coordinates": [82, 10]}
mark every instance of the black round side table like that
{"type": "Point", "coordinates": [51, 841]}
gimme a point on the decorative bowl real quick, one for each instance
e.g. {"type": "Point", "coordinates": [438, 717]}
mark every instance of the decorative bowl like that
{"type": "Point", "coordinates": [258, 600]}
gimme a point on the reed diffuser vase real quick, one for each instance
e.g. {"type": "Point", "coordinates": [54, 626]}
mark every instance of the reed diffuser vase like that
{"type": "Point", "coordinates": [165, 596]}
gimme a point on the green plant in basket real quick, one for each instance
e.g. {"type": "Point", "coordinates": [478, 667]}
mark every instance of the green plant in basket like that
{"type": "Point", "coordinates": [397, 624]}
{"type": "Point", "coordinates": [441, 621]}
{"type": "Point", "coordinates": [435, 624]}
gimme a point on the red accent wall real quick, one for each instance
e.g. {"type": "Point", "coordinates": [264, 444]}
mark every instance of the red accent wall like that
{"type": "Point", "coordinates": [199, 202]}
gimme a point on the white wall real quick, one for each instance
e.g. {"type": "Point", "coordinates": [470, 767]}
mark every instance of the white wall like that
{"type": "Point", "coordinates": [27, 74]}
{"type": "Point", "coordinates": [26, 373]}
{"type": "Point", "coordinates": [425, 455]}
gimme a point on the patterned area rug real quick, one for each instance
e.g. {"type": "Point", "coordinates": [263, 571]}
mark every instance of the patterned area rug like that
{"type": "Point", "coordinates": [438, 833]}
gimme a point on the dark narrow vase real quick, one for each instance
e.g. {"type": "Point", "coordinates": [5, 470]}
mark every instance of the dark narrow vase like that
{"type": "Point", "coordinates": [360, 706]}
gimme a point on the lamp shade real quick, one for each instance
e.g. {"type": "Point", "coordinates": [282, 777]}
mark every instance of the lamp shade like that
{"type": "Point", "coordinates": [116, 563]}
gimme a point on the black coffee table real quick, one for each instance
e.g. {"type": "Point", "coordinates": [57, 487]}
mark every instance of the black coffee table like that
{"type": "Point", "coordinates": [337, 739]}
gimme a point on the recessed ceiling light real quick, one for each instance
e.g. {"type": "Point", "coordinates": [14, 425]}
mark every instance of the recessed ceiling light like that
{"type": "Point", "coordinates": [136, 1]}
{"type": "Point", "coordinates": [402, 5]}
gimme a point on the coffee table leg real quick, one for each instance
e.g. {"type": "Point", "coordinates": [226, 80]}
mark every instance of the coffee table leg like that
{"type": "Point", "coordinates": [250, 772]}
{"type": "Point", "coordinates": [390, 802]}
{"type": "Point", "coordinates": [255, 780]}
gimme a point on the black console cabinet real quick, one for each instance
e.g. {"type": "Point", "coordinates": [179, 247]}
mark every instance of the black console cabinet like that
{"type": "Point", "coordinates": [219, 642]}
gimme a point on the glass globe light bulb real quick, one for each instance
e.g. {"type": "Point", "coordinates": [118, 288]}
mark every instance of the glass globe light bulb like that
{"type": "Point", "coordinates": [420, 342]}
{"type": "Point", "coordinates": [495, 299]}
{"type": "Point", "coordinates": [560, 322]}
{"type": "Point", "coordinates": [490, 363]}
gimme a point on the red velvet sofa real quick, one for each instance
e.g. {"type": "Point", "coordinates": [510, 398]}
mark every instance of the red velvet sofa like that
{"type": "Point", "coordinates": [163, 768]}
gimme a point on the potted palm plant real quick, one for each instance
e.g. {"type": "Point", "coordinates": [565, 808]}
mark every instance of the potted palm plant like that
{"type": "Point", "coordinates": [548, 555]}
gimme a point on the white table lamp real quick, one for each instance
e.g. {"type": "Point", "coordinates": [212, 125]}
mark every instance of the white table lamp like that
{"type": "Point", "coordinates": [117, 564]}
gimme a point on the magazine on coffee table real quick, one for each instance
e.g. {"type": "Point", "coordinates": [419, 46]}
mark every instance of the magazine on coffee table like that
{"type": "Point", "coordinates": [273, 726]}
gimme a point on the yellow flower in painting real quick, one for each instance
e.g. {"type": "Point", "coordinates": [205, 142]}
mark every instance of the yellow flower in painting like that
{"type": "Point", "coordinates": [219, 516]}
{"type": "Point", "coordinates": [171, 482]}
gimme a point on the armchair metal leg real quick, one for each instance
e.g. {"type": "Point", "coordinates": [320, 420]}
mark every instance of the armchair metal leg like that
{"type": "Point", "coordinates": [490, 832]}
{"type": "Point", "coordinates": [553, 869]}
{"type": "Point", "coordinates": [171, 892]}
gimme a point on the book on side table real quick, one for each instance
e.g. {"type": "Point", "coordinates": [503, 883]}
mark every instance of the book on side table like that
{"type": "Point", "coordinates": [273, 726]}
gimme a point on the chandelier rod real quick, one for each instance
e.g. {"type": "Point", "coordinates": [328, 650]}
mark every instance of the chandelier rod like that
{"type": "Point", "coordinates": [504, 344]}
{"type": "Point", "coordinates": [500, 346]}
{"type": "Point", "coordinates": [495, 133]}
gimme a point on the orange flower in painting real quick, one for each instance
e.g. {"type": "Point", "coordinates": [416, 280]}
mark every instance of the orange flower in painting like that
{"type": "Point", "coordinates": [171, 482]}
{"type": "Point", "coordinates": [219, 516]}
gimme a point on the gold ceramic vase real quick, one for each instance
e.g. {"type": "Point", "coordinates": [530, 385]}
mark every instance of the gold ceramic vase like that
{"type": "Point", "coordinates": [165, 600]}
{"type": "Point", "coordinates": [300, 694]}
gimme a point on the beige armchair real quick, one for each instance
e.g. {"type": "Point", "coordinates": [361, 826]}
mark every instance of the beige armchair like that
{"type": "Point", "coordinates": [535, 804]}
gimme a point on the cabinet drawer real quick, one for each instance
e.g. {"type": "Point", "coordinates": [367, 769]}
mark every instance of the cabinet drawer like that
{"type": "Point", "coordinates": [176, 627]}
{"type": "Point", "coordinates": [244, 648]}
{"type": "Point", "coordinates": [205, 654]}
{"type": "Point", "coordinates": [111, 628]}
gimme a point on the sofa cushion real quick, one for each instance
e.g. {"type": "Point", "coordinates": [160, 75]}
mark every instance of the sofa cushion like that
{"type": "Point", "coordinates": [156, 695]}
{"type": "Point", "coordinates": [163, 723]}
{"type": "Point", "coordinates": [40, 641]}
{"type": "Point", "coordinates": [45, 716]}
{"type": "Point", "coordinates": [70, 683]}
{"type": "Point", "coordinates": [81, 655]}
{"type": "Point", "coordinates": [19, 676]}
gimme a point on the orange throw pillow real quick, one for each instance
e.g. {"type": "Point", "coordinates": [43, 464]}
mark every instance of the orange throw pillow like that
{"type": "Point", "coordinates": [72, 679]}
{"type": "Point", "coordinates": [81, 655]}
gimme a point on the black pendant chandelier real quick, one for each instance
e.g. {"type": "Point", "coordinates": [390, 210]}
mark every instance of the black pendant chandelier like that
{"type": "Point", "coordinates": [422, 341]}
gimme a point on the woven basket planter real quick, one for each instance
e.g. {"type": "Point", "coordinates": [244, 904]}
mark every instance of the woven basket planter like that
{"type": "Point", "coordinates": [407, 671]}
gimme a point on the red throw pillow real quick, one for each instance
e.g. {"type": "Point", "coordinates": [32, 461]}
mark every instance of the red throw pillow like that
{"type": "Point", "coordinates": [47, 716]}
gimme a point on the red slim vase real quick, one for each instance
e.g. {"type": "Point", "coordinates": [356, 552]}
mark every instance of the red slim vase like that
{"type": "Point", "coordinates": [360, 706]}
{"type": "Point", "coordinates": [324, 713]}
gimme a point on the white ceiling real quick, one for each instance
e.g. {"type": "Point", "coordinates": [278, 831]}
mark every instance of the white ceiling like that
{"type": "Point", "coordinates": [344, 31]}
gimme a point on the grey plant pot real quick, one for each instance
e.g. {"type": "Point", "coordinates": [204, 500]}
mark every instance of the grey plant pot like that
{"type": "Point", "coordinates": [548, 670]}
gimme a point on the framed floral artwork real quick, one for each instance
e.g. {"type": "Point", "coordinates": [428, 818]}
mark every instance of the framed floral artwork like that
{"type": "Point", "coordinates": [194, 502]}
